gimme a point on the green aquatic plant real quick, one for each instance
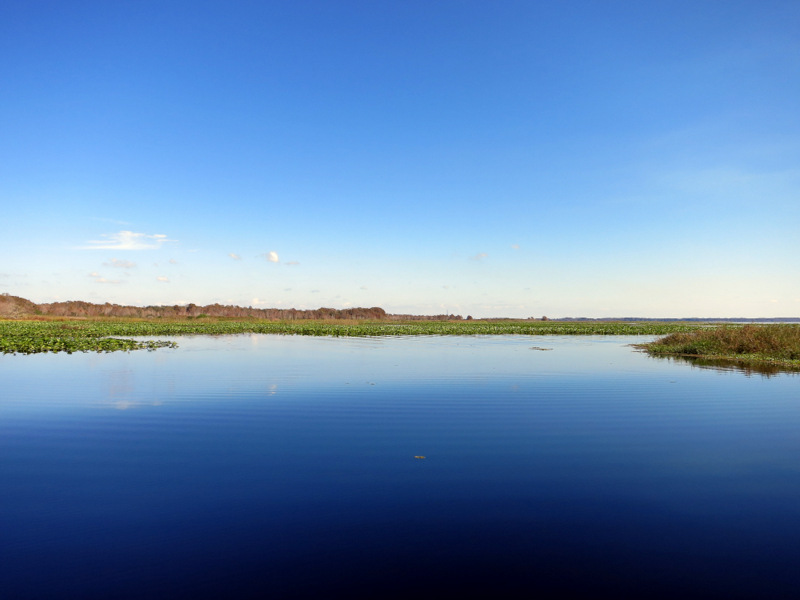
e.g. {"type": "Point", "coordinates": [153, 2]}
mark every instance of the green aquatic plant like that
{"type": "Point", "coordinates": [30, 337]}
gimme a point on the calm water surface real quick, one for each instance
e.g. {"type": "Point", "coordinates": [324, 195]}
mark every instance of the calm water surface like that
{"type": "Point", "coordinates": [269, 466]}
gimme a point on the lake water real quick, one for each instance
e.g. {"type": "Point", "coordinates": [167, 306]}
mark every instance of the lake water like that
{"type": "Point", "coordinates": [281, 467]}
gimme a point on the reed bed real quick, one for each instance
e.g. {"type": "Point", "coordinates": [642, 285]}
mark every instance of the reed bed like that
{"type": "Point", "coordinates": [778, 344]}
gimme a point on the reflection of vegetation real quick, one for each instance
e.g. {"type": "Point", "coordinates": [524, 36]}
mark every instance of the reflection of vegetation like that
{"type": "Point", "coordinates": [758, 348]}
{"type": "Point", "coordinates": [766, 369]}
{"type": "Point", "coordinates": [104, 335]}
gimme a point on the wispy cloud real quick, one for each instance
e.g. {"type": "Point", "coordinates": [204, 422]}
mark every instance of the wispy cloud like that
{"type": "Point", "coordinates": [100, 279]}
{"type": "Point", "coordinates": [234, 256]}
{"type": "Point", "coordinates": [480, 256]}
{"type": "Point", "coordinates": [120, 264]}
{"type": "Point", "coordinates": [292, 263]}
{"type": "Point", "coordinates": [270, 256]}
{"type": "Point", "coordinates": [515, 246]}
{"type": "Point", "coordinates": [127, 240]}
{"type": "Point", "coordinates": [163, 279]}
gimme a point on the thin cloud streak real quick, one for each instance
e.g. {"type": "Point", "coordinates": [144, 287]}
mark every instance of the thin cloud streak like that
{"type": "Point", "coordinates": [120, 264]}
{"type": "Point", "coordinates": [100, 279]}
{"type": "Point", "coordinates": [128, 240]}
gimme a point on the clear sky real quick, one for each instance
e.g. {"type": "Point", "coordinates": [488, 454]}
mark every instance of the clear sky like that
{"type": "Point", "coordinates": [491, 158]}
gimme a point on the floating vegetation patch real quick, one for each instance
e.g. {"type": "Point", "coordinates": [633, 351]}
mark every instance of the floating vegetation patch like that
{"type": "Point", "coordinates": [31, 337]}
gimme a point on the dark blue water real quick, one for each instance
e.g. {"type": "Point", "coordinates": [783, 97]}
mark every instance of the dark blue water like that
{"type": "Point", "coordinates": [281, 467]}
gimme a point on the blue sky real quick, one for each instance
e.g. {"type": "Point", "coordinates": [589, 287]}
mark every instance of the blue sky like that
{"type": "Point", "coordinates": [576, 158]}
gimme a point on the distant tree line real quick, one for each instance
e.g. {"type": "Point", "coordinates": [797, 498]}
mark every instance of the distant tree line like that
{"type": "Point", "coordinates": [87, 309]}
{"type": "Point", "coordinates": [14, 306]}
{"type": "Point", "coordinates": [425, 317]}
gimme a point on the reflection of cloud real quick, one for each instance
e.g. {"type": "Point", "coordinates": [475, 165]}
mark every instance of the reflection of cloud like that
{"type": "Point", "coordinates": [480, 256]}
{"type": "Point", "coordinates": [122, 391]}
{"type": "Point", "coordinates": [120, 264]}
{"type": "Point", "coordinates": [163, 279]}
{"type": "Point", "coordinates": [128, 240]}
{"type": "Point", "coordinates": [235, 256]}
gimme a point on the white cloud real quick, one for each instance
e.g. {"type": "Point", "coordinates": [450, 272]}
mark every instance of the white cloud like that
{"type": "Point", "coordinates": [270, 256]}
{"type": "Point", "coordinates": [480, 256]}
{"type": "Point", "coordinates": [292, 263]}
{"type": "Point", "coordinates": [172, 261]}
{"type": "Point", "coordinates": [163, 279]}
{"type": "Point", "coordinates": [515, 246]}
{"type": "Point", "coordinates": [234, 256]}
{"type": "Point", "coordinates": [128, 240]}
{"type": "Point", "coordinates": [120, 264]}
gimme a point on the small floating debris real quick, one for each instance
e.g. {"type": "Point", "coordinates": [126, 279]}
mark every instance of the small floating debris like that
{"type": "Point", "coordinates": [538, 348]}
{"type": "Point", "coordinates": [420, 457]}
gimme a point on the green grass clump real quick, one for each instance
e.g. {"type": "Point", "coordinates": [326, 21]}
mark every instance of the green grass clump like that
{"type": "Point", "coordinates": [778, 344]}
{"type": "Point", "coordinates": [102, 335]}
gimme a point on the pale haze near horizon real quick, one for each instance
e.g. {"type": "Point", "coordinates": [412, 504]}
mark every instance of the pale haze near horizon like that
{"type": "Point", "coordinates": [486, 158]}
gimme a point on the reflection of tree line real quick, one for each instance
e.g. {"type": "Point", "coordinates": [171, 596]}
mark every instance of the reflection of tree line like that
{"type": "Point", "coordinates": [78, 308]}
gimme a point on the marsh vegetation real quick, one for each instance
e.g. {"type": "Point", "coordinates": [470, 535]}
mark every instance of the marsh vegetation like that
{"type": "Point", "coordinates": [772, 346]}
{"type": "Point", "coordinates": [100, 335]}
